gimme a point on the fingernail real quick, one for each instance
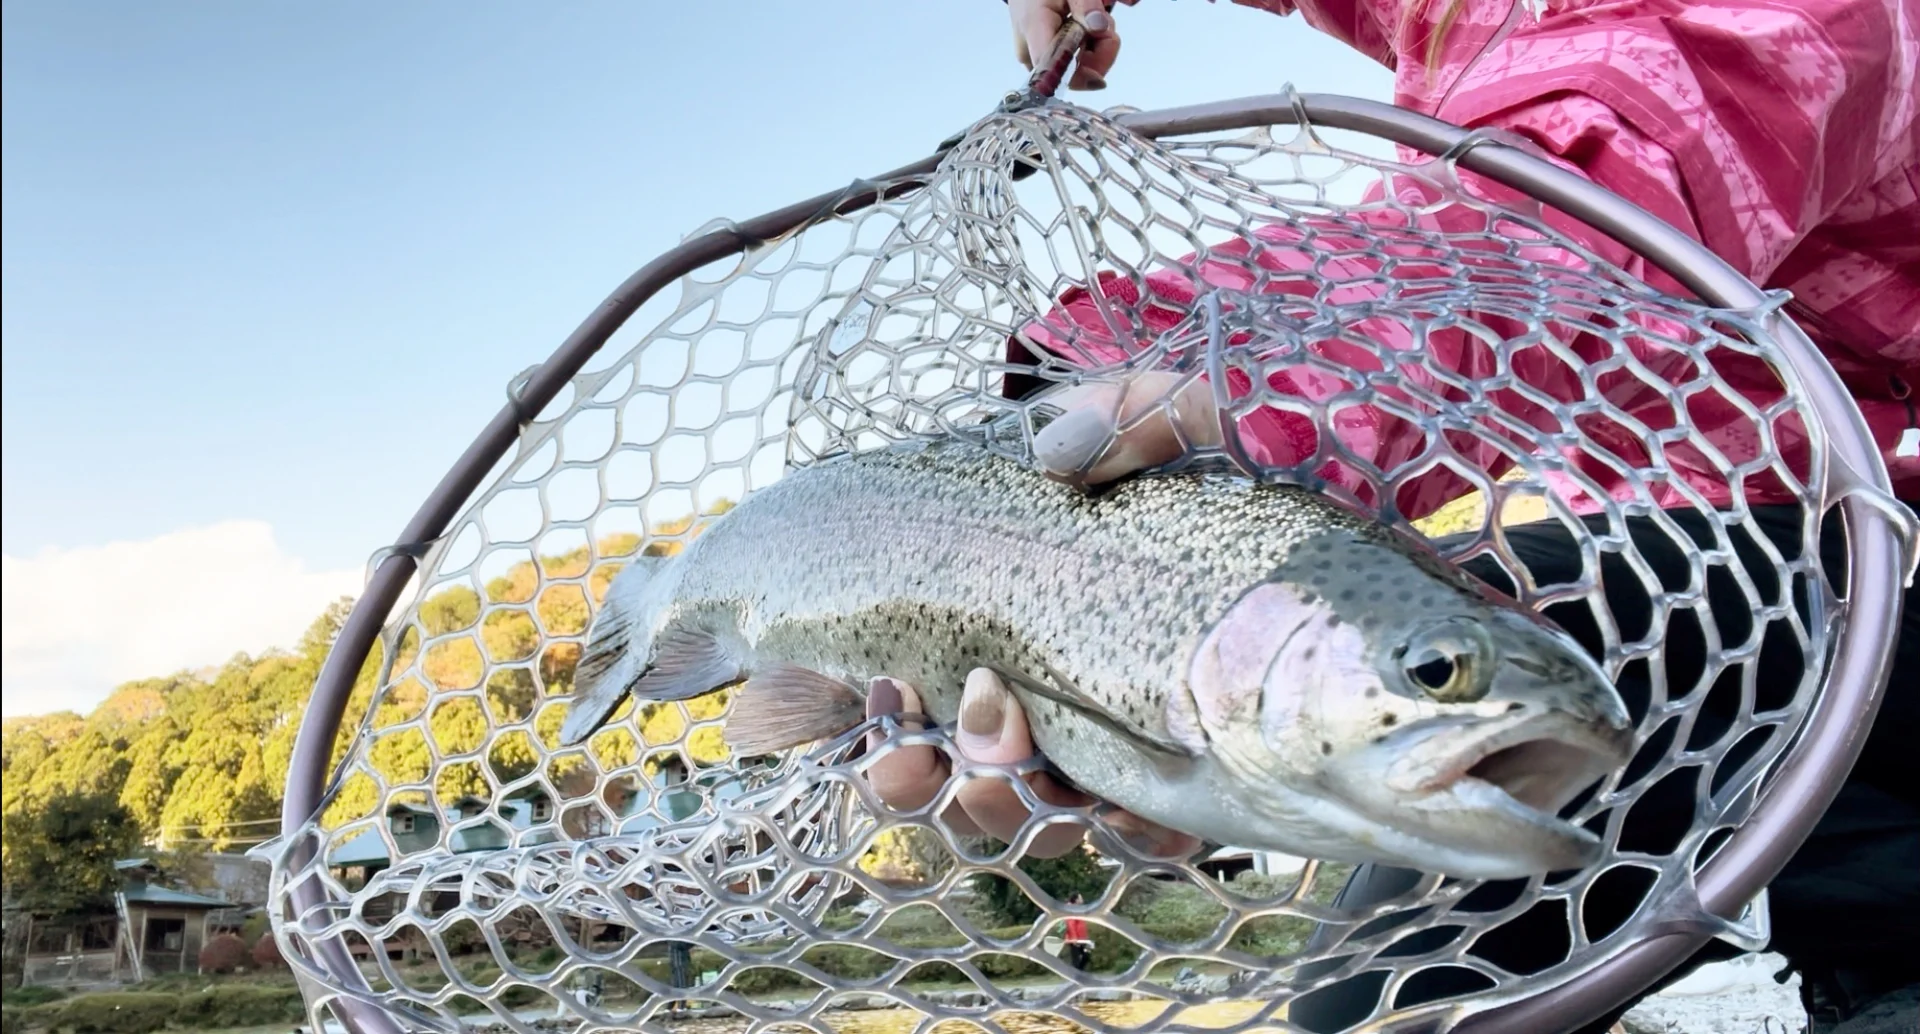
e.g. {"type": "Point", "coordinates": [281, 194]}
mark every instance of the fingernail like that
{"type": "Point", "coordinates": [883, 697]}
{"type": "Point", "coordinates": [983, 709]}
{"type": "Point", "coordinates": [1099, 21]}
{"type": "Point", "coordinates": [1065, 445]}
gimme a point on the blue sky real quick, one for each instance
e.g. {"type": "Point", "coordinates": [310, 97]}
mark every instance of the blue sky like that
{"type": "Point", "coordinates": [267, 268]}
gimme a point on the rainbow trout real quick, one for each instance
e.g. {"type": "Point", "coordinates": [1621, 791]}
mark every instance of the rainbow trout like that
{"type": "Point", "coordinates": [1253, 665]}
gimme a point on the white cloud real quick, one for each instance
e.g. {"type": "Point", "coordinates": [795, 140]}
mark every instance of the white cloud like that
{"type": "Point", "coordinates": [77, 622]}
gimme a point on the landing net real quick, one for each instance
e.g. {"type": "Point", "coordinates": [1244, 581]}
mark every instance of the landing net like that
{"type": "Point", "coordinates": [1396, 332]}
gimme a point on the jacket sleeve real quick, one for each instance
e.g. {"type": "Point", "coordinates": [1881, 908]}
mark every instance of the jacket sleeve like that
{"type": "Point", "coordinates": [1768, 132]}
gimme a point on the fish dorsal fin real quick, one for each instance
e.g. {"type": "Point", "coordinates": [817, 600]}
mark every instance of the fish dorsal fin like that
{"type": "Point", "coordinates": [786, 706]}
{"type": "Point", "coordinates": [1061, 690]}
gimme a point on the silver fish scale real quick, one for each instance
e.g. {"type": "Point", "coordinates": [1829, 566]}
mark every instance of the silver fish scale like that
{"type": "Point", "coordinates": [979, 533]}
{"type": "Point", "coordinates": [541, 881]}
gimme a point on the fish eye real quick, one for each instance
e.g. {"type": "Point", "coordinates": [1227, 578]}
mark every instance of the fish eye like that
{"type": "Point", "coordinates": [1447, 665]}
{"type": "Point", "coordinates": [1435, 673]}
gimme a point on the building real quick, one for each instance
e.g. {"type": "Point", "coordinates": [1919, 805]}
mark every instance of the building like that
{"type": "Point", "coordinates": [153, 929]}
{"type": "Point", "coordinates": [525, 818]}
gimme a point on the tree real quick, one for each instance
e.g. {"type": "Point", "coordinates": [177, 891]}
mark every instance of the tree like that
{"type": "Point", "coordinates": [908, 854]}
{"type": "Point", "coordinates": [199, 760]}
{"type": "Point", "coordinates": [60, 852]}
{"type": "Point", "coordinates": [1076, 872]}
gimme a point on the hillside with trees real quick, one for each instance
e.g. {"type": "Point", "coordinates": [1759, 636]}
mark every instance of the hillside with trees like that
{"type": "Point", "coordinates": [197, 761]}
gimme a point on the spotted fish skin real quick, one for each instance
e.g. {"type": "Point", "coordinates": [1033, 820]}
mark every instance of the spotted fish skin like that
{"type": "Point", "coordinates": [1144, 630]}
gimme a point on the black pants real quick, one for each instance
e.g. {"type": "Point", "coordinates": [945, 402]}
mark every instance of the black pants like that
{"type": "Point", "coordinates": [680, 964]}
{"type": "Point", "coordinates": [1078, 954]}
{"type": "Point", "coordinates": [1845, 911]}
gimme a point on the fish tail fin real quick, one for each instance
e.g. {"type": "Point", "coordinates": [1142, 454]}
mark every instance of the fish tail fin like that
{"type": "Point", "coordinates": [786, 706]}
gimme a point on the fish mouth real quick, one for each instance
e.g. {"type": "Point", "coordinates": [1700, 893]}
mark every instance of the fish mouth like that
{"type": "Point", "coordinates": [1542, 761]}
{"type": "Point", "coordinates": [1484, 796]}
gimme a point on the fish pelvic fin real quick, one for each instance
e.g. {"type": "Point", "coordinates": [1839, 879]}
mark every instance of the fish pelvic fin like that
{"type": "Point", "coordinates": [687, 662]}
{"type": "Point", "coordinates": [1059, 689]}
{"type": "Point", "coordinates": [785, 706]}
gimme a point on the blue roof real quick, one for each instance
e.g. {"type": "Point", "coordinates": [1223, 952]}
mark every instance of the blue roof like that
{"type": "Point", "coordinates": [146, 894]}
{"type": "Point", "coordinates": [369, 847]}
{"type": "Point", "coordinates": [364, 849]}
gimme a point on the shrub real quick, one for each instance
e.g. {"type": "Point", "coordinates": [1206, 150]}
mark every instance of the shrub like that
{"type": "Point", "coordinates": [1112, 952]}
{"type": "Point", "coordinates": [239, 1005]}
{"type": "Point", "coordinates": [266, 952]}
{"type": "Point", "coordinates": [115, 1012]}
{"type": "Point", "coordinates": [34, 995]}
{"type": "Point", "coordinates": [223, 954]}
{"type": "Point", "coordinates": [1076, 872]}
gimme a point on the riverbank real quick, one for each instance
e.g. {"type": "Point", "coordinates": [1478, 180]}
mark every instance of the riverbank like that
{"type": "Point", "coordinates": [1730, 998]}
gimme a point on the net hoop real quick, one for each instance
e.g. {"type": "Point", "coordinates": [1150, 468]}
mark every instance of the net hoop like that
{"type": "Point", "coordinates": [1805, 782]}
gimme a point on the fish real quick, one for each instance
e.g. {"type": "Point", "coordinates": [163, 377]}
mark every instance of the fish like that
{"type": "Point", "coordinates": [1252, 664]}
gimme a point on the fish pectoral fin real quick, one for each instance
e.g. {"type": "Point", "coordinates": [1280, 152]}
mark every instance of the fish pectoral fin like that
{"type": "Point", "coordinates": [1061, 690]}
{"type": "Point", "coordinates": [608, 666]}
{"type": "Point", "coordinates": [601, 681]}
{"type": "Point", "coordinates": [596, 697]}
{"type": "Point", "coordinates": [786, 706]}
{"type": "Point", "coordinates": [686, 663]}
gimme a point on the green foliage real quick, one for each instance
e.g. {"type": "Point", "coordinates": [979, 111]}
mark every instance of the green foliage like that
{"type": "Point", "coordinates": [198, 761]}
{"type": "Point", "coordinates": [34, 995]}
{"type": "Point", "coordinates": [1076, 872]}
{"type": "Point", "coordinates": [114, 1012]}
{"type": "Point", "coordinates": [1178, 911]}
{"type": "Point", "coordinates": [908, 854]}
{"type": "Point", "coordinates": [60, 851]}
{"type": "Point", "coordinates": [229, 1004]}
{"type": "Point", "coordinates": [239, 1005]}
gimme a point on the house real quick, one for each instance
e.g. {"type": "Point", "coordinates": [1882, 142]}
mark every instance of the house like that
{"type": "Point", "coordinates": [522, 819]}
{"type": "Point", "coordinates": [153, 929]}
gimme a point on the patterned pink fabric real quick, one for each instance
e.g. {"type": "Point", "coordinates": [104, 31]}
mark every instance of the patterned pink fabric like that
{"type": "Point", "coordinates": [1784, 135]}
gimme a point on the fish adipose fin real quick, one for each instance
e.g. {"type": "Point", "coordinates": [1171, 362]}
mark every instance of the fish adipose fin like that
{"type": "Point", "coordinates": [786, 706]}
{"type": "Point", "coordinates": [1062, 691]}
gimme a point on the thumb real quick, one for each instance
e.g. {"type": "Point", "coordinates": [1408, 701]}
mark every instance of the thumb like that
{"type": "Point", "coordinates": [993, 725]}
{"type": "Point", "coordinates": [1109, 430]}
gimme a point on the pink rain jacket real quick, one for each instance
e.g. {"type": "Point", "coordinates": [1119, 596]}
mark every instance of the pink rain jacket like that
{"type": "Point", "coordinates": [1783, 135]}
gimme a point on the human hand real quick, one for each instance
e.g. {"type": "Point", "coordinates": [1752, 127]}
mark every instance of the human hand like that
{"type": "Point", "coordinates": [1107, 430]}
{"type": "Point", "coordinates": [1110, 429]}
{"type": "Point", "coordinates": [993, 731]}
{"type": "Point", "coordinates": [1037, 22]}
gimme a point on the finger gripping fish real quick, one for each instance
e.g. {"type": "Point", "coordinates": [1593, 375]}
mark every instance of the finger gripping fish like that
{"type": "Point", "coordinates": [1253, 665]}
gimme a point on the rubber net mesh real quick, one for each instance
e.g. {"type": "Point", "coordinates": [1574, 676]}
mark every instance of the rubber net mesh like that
{"type": "Point", "coordinates": [1405, 338]}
